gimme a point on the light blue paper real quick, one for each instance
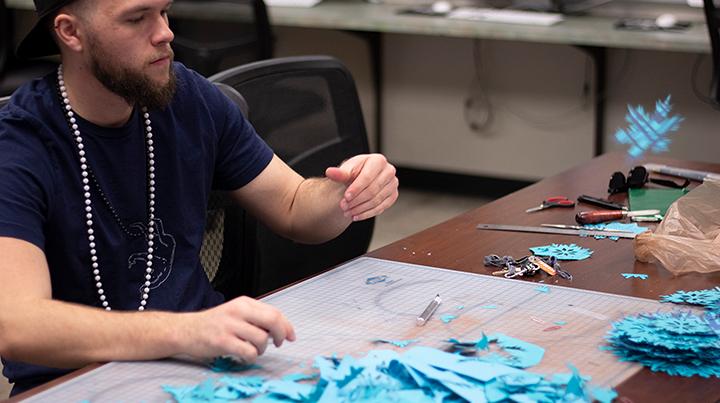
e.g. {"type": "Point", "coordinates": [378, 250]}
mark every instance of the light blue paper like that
{"type": "Point", "coordinates": [648, 132]}
{"type": "Point", "coordinates": [447, 318]}
{"type": "Point", "coordinates": [617, 225]}
{"type": "Point", "coordinates": [635, 275]}
{"type": "Point", "coordinates": [396, 343]}
{"type": "Point", "coordinates": [563, 251]}
{"type": "Point", "coordinates": [543, 289]}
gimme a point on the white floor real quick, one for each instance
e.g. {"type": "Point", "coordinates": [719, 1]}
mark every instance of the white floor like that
{"type": "Point", "coordinates": [414, 211]}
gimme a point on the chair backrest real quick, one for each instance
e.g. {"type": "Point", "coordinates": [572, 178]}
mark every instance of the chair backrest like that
{"type": "Point", "coordinates": [712, 18]}
{"type": "Point", "coordinates": [208, 46]}
{"type": "Point", "coordinates": [6, 31]}
{"type": "Point", "coordinates": [307, 109]}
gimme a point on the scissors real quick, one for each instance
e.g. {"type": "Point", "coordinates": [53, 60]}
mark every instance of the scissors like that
{"type": "Point", "coordinates": [555, 201]}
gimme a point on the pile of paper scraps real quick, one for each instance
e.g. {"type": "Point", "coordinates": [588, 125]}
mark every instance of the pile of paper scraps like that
{"type": "Point", "coordinates": [420, 374]}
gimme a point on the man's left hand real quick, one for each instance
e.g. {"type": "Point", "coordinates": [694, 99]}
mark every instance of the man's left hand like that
{"type": "Point", "coordinates": [372, 186]}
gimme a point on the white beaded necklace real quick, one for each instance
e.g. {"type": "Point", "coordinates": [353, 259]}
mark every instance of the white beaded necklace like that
{"type": "Point", "coordinates": [88, 202]}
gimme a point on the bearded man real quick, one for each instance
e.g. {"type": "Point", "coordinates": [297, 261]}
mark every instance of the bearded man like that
{"type": "Point", "coordinates": [106, 166]}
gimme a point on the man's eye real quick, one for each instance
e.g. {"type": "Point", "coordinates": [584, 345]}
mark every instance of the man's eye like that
{"type": "Point", "coordinates": [135, 20]}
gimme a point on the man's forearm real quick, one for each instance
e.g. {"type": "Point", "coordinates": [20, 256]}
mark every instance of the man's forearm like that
{"type": "Point", "coordinates": [316, 213]}
{"type": "Point", "coordinates": [63, 335]}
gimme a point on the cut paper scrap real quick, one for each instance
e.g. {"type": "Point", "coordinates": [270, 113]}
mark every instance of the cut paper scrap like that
{"type": "Point", "coordinates": [376, 279]}
{"type": "Point", "coordinates": [677, 343]}
{"type": "Point", "coordinates": [513, 352]}
{"type": "Point", "coordinates": [447, 318]}
{"type": "Point", "coordinates": [709, 299]}
{"type": "Point", "coordinates": [396, 343]}
{"type": "Point", "coordinates": [560, 322]}
{"type": "Point", "coordinates": [635, 275]}
{"type": "Point", "coordinates": [421, 374]}
{"type": "Point", "coordinates": [489, 306]}
{"type": "Point", "coordinates": [631, 227]}
{"type": "Point", "coordinates": [648, 132]}
{"type": "Point", "coordinates": [229, 364]}
{"type": "Point", "coordinates": [459, 307]}
{"type": "Point", "coordinates": [543, 289]}
{"type": "Point", "coordinates": [562, 251]}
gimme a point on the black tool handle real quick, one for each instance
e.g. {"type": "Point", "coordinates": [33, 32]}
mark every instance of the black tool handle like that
{"type": "Point", "coordinates": [601, 203]}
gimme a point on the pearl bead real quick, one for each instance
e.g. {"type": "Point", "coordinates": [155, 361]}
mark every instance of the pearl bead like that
{"type": "Point", "coordinates": [75, 129]}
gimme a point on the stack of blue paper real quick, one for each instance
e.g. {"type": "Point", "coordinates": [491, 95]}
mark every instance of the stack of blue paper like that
{"type": "Point", "coordinates": [678, 343]}
{"type": "Point", "coordinates": [421, 374]}
{"type": "Point", "coordinates": [709, 299]}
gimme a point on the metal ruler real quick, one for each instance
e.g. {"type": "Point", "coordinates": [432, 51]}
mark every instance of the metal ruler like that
{"type": "Point", "coordinates": [561, 231]}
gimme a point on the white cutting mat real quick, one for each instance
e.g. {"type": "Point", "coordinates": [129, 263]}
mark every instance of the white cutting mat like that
{"type": "Point", "coordinates": [339, 313]}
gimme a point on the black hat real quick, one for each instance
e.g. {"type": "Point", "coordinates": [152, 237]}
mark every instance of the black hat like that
{"type": "Point", "coordinates": [38, 42]}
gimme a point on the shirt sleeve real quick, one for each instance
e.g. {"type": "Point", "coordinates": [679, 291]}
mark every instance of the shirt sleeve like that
{"type": "Point", "coordinates": [241, 155]}
{"type": "Point", "coordinates": [25, 180]}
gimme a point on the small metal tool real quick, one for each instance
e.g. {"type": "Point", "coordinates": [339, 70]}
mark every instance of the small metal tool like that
{"type": "Point", "coordinates": [542, 265]}
{"type": "Point", "coordinates": [597, 216]}
{"type": "Point", "coordinates": [580, 227]}
{"type": "Point", "coordinates": [596, 201]}
{"type": "Point", "coordinates": [427, 313]}
{"type": "Point", "coordinates": [555, 201]}
{"type": "Point", "coordinates": [561, 231]}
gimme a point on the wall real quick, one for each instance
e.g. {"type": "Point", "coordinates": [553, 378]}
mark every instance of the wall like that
{"type": "Point", "coordinates": [542, 113]}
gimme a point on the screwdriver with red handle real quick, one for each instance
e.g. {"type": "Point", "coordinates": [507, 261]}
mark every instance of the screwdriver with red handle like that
{"type": "Point", "coordinates": [597, 216]}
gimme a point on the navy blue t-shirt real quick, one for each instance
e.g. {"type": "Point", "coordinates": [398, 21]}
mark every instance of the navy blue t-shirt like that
{"type": "Point", "coordinates": [202, 142]}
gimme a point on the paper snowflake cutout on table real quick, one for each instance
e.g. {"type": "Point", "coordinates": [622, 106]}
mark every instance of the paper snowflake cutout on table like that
{"type": "Point", "coordinates": [678, 343]}
{"type": "Point", "coordinates": [631, 227]}
{"type": "Point", "coordinates": [648, 132]}
{"type": "Point", "coordinates": [635, 275]}
{"type": "Point", "coordinates": [710, 298]}
{"type": "Point", "coordinates": [562, 251]}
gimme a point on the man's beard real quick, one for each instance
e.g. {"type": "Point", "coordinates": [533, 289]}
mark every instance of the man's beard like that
{"type": "Point", "coordinates": [134, 87]}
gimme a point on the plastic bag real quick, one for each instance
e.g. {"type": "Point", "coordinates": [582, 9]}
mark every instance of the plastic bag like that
{"type": "Point", "coordinates": [688, 238]}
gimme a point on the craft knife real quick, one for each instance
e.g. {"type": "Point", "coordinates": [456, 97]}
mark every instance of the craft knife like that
{"type": "Point", "coordinates": [559, 231]}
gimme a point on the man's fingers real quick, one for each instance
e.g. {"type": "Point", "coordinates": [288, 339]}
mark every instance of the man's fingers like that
{"type": "Point", "coordinates": [266, 317]}
{"type": "Point", "coordinates": [246, 352]}
{"type": "Point", "coordinates": [364, 173]}
{"type": "Point", "coordinates": [253, 335]}
{"type": "Point", "coordinates": [384, 184]}
{"type": "Point", "coordinates": [377, 204]}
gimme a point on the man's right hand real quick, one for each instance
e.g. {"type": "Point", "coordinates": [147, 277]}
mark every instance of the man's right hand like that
{"type": "Point", "coordinates": [240, 328]}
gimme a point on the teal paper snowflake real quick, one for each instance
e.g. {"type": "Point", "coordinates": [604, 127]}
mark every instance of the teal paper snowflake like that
{"type": "Point", "coordinates": [648, 132]}
{"type": "Point", "coordinates": [681, 343]}
{"type": "Point", "coordinates": [562, 251]}
{"type": "Point", "coordinates": [709, 299]}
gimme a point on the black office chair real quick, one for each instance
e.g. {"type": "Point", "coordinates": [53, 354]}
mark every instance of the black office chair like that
{"type": "Point", "coordinates": [712, 18]}
{"type": "Point", "coordinates": [14, 72]}
{"type": "Point", "coordinates": [307, 110]}
{"type": "Point", "coordinates": [208, 46]}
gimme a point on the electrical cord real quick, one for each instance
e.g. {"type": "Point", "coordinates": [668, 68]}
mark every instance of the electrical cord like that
{"type": "Point", "coordinates": [479, 102]}
{"type": "Point", "coordinates": [693, 83]}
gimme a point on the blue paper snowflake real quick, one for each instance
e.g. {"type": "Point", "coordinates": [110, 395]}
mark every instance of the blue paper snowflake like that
{"type": "Point", "coordinates": [562, 251]}
{"type": "Point", "coordinates": [710, 298]}
{"type": "Point", "coordinates": [678, 343]}
{"type": "Point", "coordinates": [635, 275]}
{"type": "Point", "coordinates": [648, 132]}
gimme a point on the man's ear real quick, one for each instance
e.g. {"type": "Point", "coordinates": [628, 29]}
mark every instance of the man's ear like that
{"type": "Point", "coordinates": [68, 31]}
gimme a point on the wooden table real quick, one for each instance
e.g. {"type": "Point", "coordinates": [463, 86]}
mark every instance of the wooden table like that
{"type": "Point", "coordinates": [456, 244]}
